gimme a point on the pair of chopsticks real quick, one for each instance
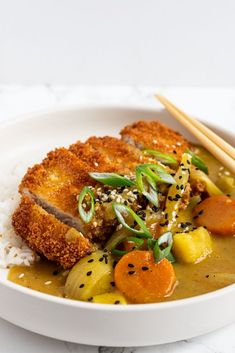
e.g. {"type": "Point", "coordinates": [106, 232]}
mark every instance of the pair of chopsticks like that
{"type": "Point", "coordinates": [219, 148]}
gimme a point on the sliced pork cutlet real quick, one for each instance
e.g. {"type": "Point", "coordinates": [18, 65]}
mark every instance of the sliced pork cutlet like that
{"type": "Point", "coordinates": [156, 136]}
{"type": "Point", "coordinates": [119, 156]}
{"type": "Point", "coordinates": [46, 235]}
{"type": "Point", "coordinates": [55, 185]}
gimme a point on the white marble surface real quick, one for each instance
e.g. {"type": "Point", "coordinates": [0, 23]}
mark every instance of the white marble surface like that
{"type": "Point", "coordinates": [217, 105]}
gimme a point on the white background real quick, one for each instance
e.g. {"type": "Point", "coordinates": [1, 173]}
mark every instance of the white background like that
{"type": "Point", "coordinates": [150, 42]}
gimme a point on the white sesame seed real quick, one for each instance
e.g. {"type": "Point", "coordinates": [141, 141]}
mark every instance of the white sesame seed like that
{"type": "Point", "coordinates": [119, 227]}
{"type": "Point", "coordinates": [47, 283]}
{"type": "Point", "coordinates": [226, 173]}
{"type": "Point", "coordinates": [155, 142]}
{"type": "Point", "coordinates": [178, 143]}
{"type": "Point", "coordinates": [95, 224]}
{"type": "Point", "coordinates": [21, 275]}
{"type": "Point", "coordinates": [96, 164]}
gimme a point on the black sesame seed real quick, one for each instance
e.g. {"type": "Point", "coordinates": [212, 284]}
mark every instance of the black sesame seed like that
{"type": "Point", "coordinates": [174, 151]}
{"type": "Point", "coordinates": [112, 284]}
{"type": "Point", "coordinates": [114, 263]}
{"type": "Point", "coordinates": [177, 187]}
{"type": "Point", "coordinates": [82, 285]}
{"type": "Point", "coordinates": [55, 272]}
{"type": "Point", "coordinates": [89, 273]}
{"type": "Point", "coordinates": [117, 302]}
{"type": "Point", "coordinates": [166, 215]}
{"type": "Point", "coordinates": [144, 268]}
{"type": "Point", "coordinates": [135, 192]}
{"type": "Point", "coordinates": [180, 177]}
{"type": "Point", "coordinates": [90, 299]}
{"type": "Point", "coordinates": [131, 272]}
{"type": "Point", "coordinates": [125, 203]}
{"type": "Point", "coordinates": [91, 260]}
{"type": "Point", "coordinates": [131, 265]}
{"type": "Point", "coordinates": [170, 198]}
{"type": "Point", "coordinates": [200, 212]}
{"type": "Point", "coordinates": [108, 192]}
{"type": "Point", "coordinates": [195, 217]}
{"type": "Point", "coordinates": [101, 259]}
{"type": "Point", "coordinates": [177, 196]}
{"type": "Point", "coordinates": [109, 199]}
{"type": "Point", "coordinates": [207, 276]}
{"type": "Point", "coordinates": [188, 162]}
{"type": "Point", "coordinates": [129, 200]}
{"type": "Point", "coordinates": [155, 208]}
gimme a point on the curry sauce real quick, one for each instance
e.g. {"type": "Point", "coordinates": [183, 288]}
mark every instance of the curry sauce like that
{"type": "Point", "coordinates": [217, 270]}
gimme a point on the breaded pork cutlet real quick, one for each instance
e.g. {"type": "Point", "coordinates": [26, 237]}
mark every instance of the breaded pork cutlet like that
{"type": "Point", "coordinates": [156, 136]}
{"type": "Point", "coordinates": [50, 189]}
{"type": "Point", "coordinates": [45, 234]}
{"type": "Point", "coordinates": [55, 185]}
{"type": "Point", "coordinates": [109, 154]}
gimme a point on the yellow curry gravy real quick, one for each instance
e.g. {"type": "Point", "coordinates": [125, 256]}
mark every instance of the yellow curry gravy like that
{"type": "Point", "coordinates": [216, 271]}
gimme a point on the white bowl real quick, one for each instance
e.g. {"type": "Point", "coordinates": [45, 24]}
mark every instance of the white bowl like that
{"type": "Point", "coordinates": [25, 141]}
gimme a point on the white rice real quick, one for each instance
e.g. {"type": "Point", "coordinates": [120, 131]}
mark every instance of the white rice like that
{"type": "Point", "coordinates": [13, 250]}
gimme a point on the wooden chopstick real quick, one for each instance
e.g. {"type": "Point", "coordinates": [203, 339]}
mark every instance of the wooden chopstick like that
{"type": "Point", "coordinates": [225, 146]}
{"type": "Point", "coordinates": [224, 152]}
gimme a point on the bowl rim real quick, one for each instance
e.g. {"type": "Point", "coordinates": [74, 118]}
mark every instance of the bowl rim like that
{"type": "Point", "coordinates": [97, 306]}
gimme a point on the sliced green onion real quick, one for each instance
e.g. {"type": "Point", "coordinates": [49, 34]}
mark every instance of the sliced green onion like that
{"type": "Point", "coordinates": [162, 157]}
{"type": "Point", "coordinates": [151, 195]}
{"type": "Point", "coordinates": [138, 241]}
{"type": "Point", "coordinates": [86, 216]}
{"type": "Point", "coordinates": [157, 173]}
{"type": "Point", "coordinates": [151, 243]}
{"type": "Point", "coordinates": [112, 179]}
{"type": "Point", "coordinates": [121, 209]}
{"type": "Point", "coordinates": [118, 252]}
{"type": "Point", "coordinates": [159, 253]}
{"type": "Point", "coordinates": [198, 162]}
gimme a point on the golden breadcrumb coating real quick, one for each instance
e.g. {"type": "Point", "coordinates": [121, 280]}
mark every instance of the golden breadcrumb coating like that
{"type": "Point", "coordinates": [58, 180]}
{"type": "Point", "coordinates": [46, 235]}
{"type": "Point", "coordinates": [154, 135]}
{"type": "Point", "coordinates": [109, 154]}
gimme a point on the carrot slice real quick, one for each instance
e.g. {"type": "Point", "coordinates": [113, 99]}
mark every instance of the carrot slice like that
{"type": "Point", "coordinates": [142, 280]}
{"type": "Point", "coordinates": [217, 214]}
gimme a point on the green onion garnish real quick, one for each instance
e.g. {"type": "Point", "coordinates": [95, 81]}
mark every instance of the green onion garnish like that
{"type": "Point", "coordinates": [121, 211]}
{"type": "Point", "coordinates": [157, 173]}
{"type": "Point", "coordinates": [151, 193]}
{"type": "Point", "coordinates": [139, 242]}
{"type": "Point", "coordinates": [198, 162]}
{"type": "Point", "coordinates": [86, 216]}
{"type": "Point", "coordinates": [159, 253]}
{"type": "Point", "coordinates": [162, 157]}
{"type": "Point", "coordinates": [112, 179]}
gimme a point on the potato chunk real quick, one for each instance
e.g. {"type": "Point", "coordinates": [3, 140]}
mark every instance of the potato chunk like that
{"type": "Point", "coordinates": [192, 247]}
{"type": "Point", "coordinates": [110, 298]}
